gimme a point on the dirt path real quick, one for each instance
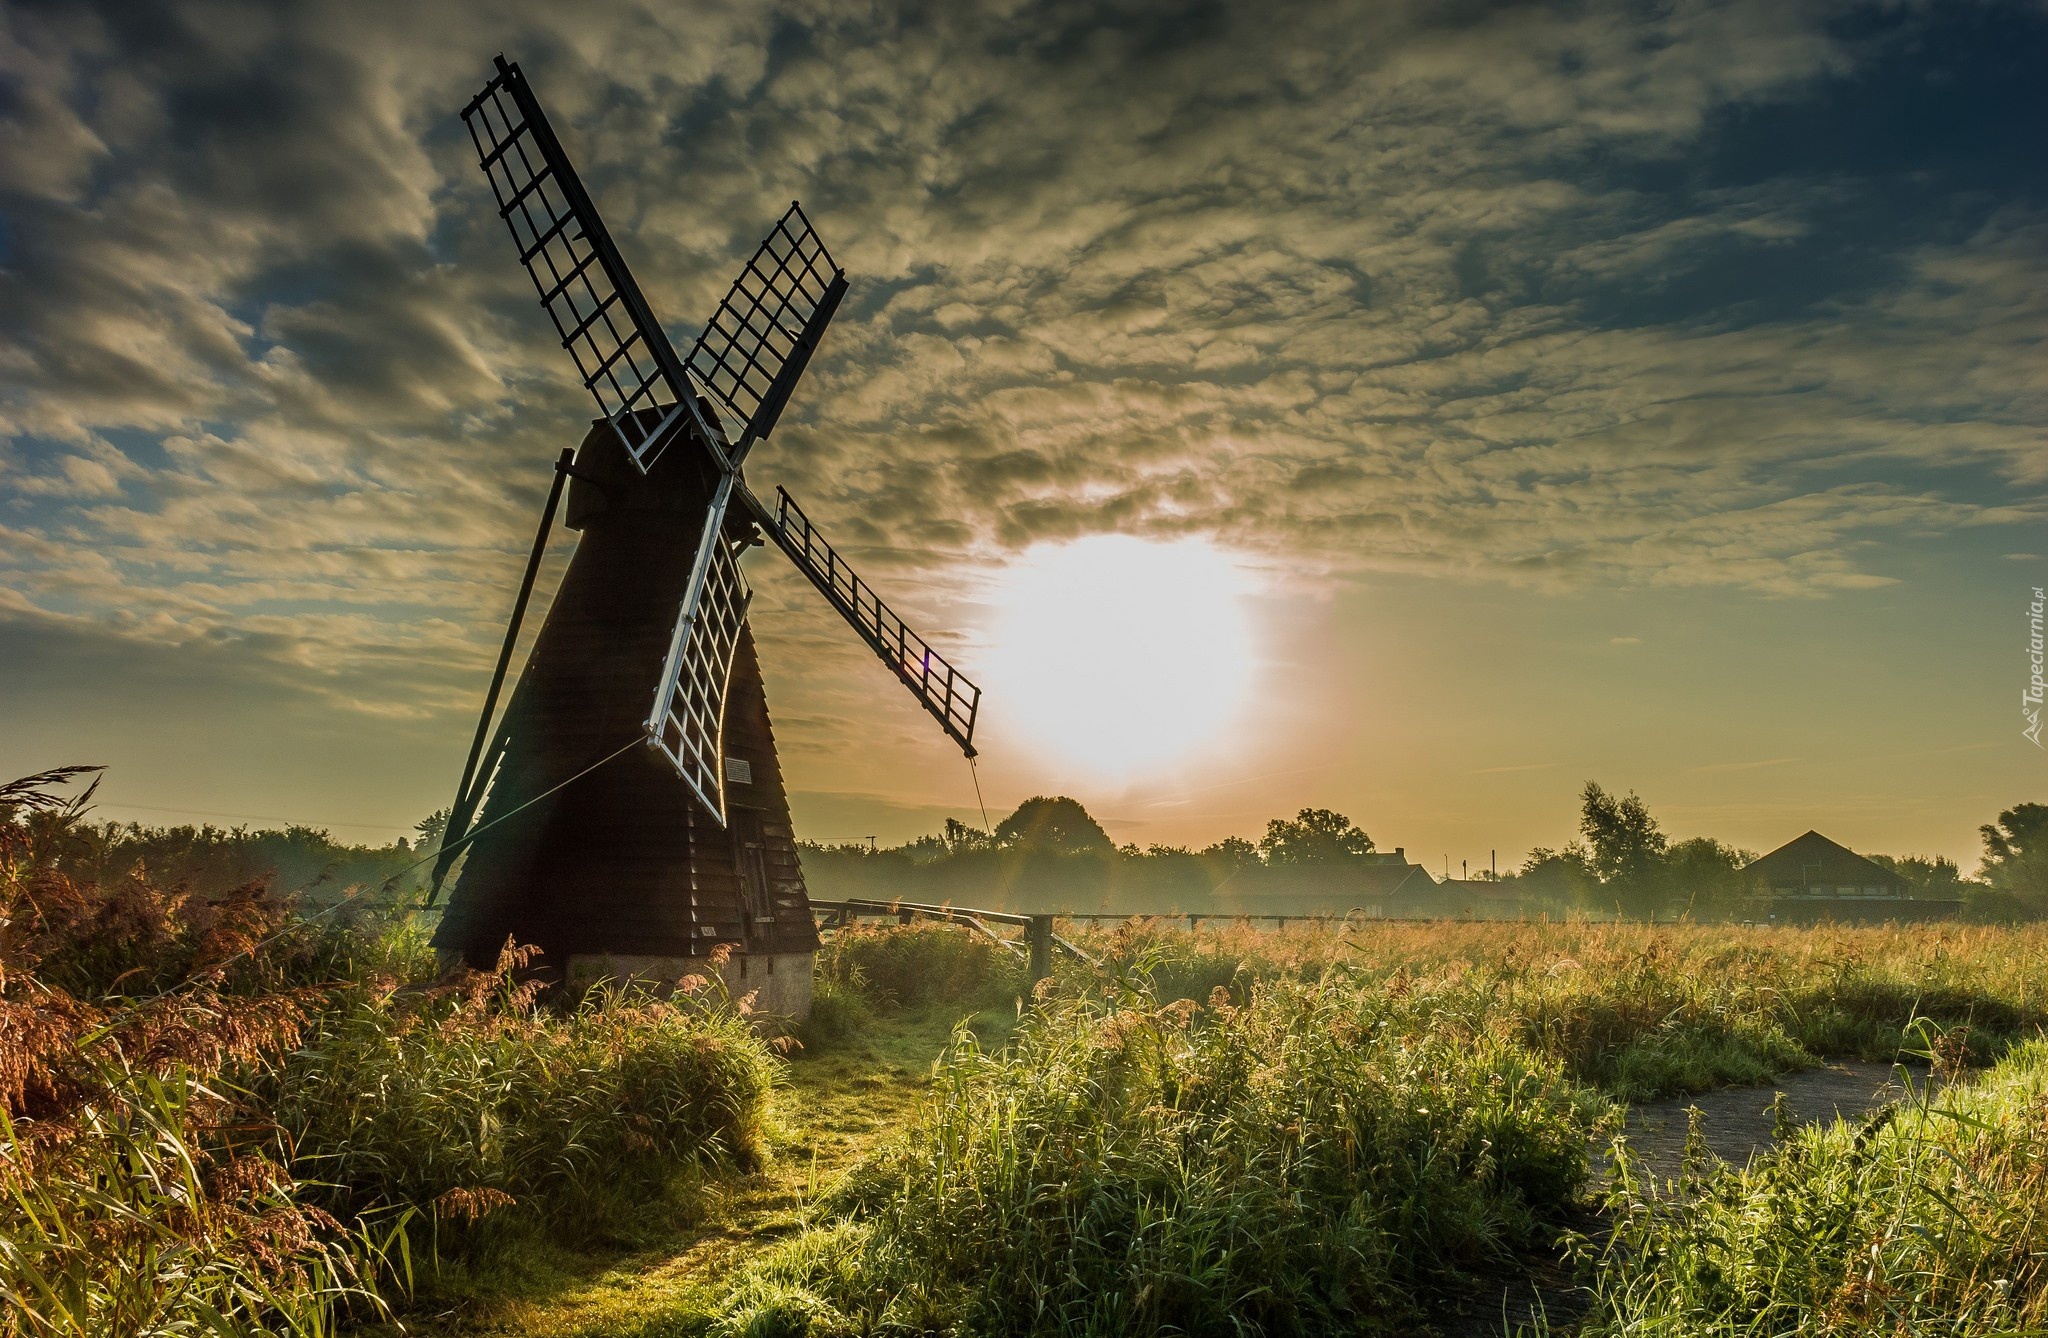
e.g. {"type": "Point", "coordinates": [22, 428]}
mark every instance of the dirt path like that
{"type": "Point", "coordinates": [1737, 1124]}
{"type": "Point", "coordinates": [1737, 1121]}
{"type": "Point", "coordinates": [838, 1102]}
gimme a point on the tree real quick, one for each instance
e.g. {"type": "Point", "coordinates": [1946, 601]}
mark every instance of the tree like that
{"type": "Point", "coordinates": [1056, 826]}
{"type": "Point", "coordinates": [431, 829]}
{"type": "Point", "coordinates": [1315, 836]}
{"type": "Point", "coordinates": [1231, 854]}
{"type": "Point", "coordinates": [1707, 875]}
{"type": "Point", "coordinates": [2016, 856]}
{"type": "Point", "coordinates": [1562, 875]}
{"type": "Point", "coordinates": [1937, 874]}
{"type": "Point", "coordinates": [960, 839]}
{"type": "Point", "coordinates": [1625, 848]}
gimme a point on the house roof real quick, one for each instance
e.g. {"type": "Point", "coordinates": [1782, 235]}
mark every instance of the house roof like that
{"type": "Point", "coordinates": [1814, 861]}
{"type": "Point", "coordinates": [1486, 889]}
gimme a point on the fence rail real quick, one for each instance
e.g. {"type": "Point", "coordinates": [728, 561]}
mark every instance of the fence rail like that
{"type": "Point", "coordinates": [1036, 949]}
{"type": "Point", "coordinates": [1039, 939]}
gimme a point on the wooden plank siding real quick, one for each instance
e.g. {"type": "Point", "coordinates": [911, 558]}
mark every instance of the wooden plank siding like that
{"type": "Point", "coordinates": [624, 860]}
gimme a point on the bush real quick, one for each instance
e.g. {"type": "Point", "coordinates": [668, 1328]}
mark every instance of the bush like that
{"type": "Point", "coordinates": [839, 1012]}
{"type": "Point", "coordinates": [1283, 1164]}
{"type": "Point", "coordinates": [921, 964]}
{"type": "Point", "coordinates": [468, 1100]}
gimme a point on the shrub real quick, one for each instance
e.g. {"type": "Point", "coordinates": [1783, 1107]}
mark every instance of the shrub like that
{"type": "Point", "coordinates": [470, 1099]}
{"type": "Point", "coordinates": [217, 1118]}
{"type": "Point", "coordinates": [921, 964]}
{"type": "Point", "coordinates": [839, 1012]}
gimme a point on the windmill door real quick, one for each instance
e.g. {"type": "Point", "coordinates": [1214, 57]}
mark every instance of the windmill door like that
{"type": "Point", "coordinates": [750, 856]}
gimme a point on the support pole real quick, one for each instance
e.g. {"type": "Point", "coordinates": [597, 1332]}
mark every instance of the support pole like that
{"type": "Point", "coordinates": [464, 808]}
{"type": "Point", "coordinates": [1039, 935]}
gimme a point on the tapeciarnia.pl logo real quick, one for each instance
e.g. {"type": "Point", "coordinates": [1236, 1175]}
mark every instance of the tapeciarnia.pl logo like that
{"type": "Point", "coordinates": [2030, 700]}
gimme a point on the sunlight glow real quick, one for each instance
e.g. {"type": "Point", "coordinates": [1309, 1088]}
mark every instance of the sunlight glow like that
{"type": "Point", "coordinates": [1120, 655]}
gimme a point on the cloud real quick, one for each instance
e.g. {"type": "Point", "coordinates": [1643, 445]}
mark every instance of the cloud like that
{"type": "Point", "coordinates": [1756, 765]}
{"type": "Point", "coordinates": [1473, 293]}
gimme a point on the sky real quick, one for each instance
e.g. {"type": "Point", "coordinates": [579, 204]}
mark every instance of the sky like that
{"type": "Point", "coordinates": [1467, 400]}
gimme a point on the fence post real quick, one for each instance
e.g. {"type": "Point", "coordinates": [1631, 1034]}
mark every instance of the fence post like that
{"type": "Point", "coordinates": [1039, 935]}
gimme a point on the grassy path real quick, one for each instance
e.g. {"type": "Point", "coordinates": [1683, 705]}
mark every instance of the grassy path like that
{"type": "Point", "coordinates": [838, 1103]}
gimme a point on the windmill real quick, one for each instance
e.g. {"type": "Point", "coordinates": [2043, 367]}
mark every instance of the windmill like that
{"type": "Point", "coordinates": [626, 812]}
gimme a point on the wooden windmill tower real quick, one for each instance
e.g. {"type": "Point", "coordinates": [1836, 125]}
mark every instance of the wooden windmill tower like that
{"type": "Point", "coordinates": [626, 813]}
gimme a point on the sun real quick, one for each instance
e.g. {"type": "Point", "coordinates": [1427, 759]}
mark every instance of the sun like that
{"type": "Point", "coordinates": [1121, 656]}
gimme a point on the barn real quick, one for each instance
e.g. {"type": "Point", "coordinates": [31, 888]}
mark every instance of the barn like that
{"type": "Point", "coordinates": [1812, 880]}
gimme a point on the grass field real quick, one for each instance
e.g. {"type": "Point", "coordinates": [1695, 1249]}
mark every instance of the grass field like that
{"type": "Point", "coordinates": [220, 1118]}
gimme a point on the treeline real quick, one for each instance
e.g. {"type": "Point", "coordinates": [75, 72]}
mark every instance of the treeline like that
{"type": "Point", "coordinates": [1049, 855]}
{"type": "Point", "coordinates": [1052, 855]}
{"type": "Point", "coordinates": [1624, 862]}
{"type": "Point", "coordinates": [208, 861]}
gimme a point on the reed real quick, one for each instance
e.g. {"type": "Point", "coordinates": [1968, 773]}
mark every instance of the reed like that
{"type": "Point", "coordinates": [218, 1117]}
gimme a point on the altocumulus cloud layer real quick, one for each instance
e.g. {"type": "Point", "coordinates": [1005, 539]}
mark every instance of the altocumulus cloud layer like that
{"type": "Point", "coordinates": [1735, 294]}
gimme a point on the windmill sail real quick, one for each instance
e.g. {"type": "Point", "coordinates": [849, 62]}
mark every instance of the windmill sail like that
{"type": "Point", "coordinates": [689, 703]}
{"type": "Point", "coordinates": [766, 328]}
{"type": "Point", "coordinates": [604, 321]}
{"type": "Point", "coordinates": [945, 692]}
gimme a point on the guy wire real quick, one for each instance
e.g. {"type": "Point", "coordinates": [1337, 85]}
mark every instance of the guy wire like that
{"type": "Point", "coordinates": [975, 772]}
{"type": "Point", "coordinates": [467, 837]}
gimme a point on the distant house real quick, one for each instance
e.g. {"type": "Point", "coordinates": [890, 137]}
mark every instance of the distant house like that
{"type": "Point", "coordinates": [1811, 880]}
{"type": "Point", "coordinates": [1488, 899]}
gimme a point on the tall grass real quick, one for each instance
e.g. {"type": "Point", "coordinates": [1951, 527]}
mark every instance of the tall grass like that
{"type": "Point", "coordinates": [1281, 1160]}
{"type": "Point", "coordinates": [473, 1100]}
{"type": "Point", "coordinates": [1353, 1118]}
{"type": "Point", "coordinates": [218, 1118]}
{"type": "Point", "coordinates": [154, 1207]}
{"type": "Point", "coordinates": [1929, 1217]}
{"type": "Point", "coordinates": [1640, 1011]}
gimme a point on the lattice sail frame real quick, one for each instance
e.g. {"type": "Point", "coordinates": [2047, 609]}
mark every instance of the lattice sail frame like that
{"type": "Point", "coordinates": [687, 725]}
{"type": "Point", "coordinates": [941, 689]}
{"type": "Point", "coordinates": [621, 353]}
{"type": "Point", "coordinates": [768, 324]}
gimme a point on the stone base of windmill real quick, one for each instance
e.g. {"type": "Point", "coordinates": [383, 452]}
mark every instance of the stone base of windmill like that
{"type": "Point", "coordinates": [779, 981]}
